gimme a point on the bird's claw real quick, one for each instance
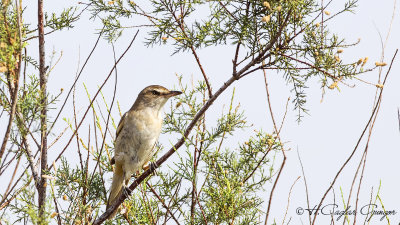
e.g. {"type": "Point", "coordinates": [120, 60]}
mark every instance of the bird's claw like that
{"type": "Point", "coordinates": [136, 175]}
{"type": "Point", "coordinates": [126, 191]}
{"type": "Point", "coordinates": [152, 166]}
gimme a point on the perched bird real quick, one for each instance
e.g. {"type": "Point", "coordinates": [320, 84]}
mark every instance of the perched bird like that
{"type": "Point", "coordinates": [137, 134]}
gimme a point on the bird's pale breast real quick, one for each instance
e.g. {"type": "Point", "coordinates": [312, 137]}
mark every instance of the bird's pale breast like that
{"type": "Point", "coordinates": [134, 145]}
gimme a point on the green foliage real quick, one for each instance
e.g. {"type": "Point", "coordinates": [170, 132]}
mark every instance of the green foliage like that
{"type": "Point", "coordinates": [19, 84]}
{"type": "Point", "coordinates": [286, 36]}
{"type": "Point", "coordinates": [64, 20]}
{"type": "Point", "coordinates": [10, 43]}
{"type": "Point", "coordinates": [227, 180]}
{"type": "Point", "coordinates": [79, 190]}
{"type": "Point", "coordinates": [234, 180]}
{"type": "Point", "coordinates": [22, 208]}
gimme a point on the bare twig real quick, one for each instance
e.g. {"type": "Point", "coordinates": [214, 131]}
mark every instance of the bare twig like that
{"type": "Point", "coordinates": [31, 161]}
{"type": "Point", "coordinates": [398, 117]}
{"type": "Point", "coordinates": [147, 206]}
{"type": "Point", "coordinates": [76, 80]}
{"type": "Point", "coordinates": [162, 202]}
{"type": "Point", "coordinates": [109, 113]}
{"type": "Point", "coordinates": [4, 202]}
{"type": "Point", "coordinates": [95, 96]}
{"type": "Point", "coordinates": [288, 200]}
{"type": "Point", "coordinates": [10, 122]}
{"type": "Point", "coordinates": [76, 125]}
{"type": "Point", "coordinates": [310, 65]}
{"type": "Point", "coordinates": [305, 184]}
{"type": "Point", "coordinates": [202, 71]}
{"type": "Point", "coordinates": [173, 198]}
{"type": "Point", "coordinates": [234, 61]}
{"type": "Point", "coordinates": [365, 153]}
{"type": "Point", "coordinates": [283, 151]}
{"type": "Point", "coordinates": [374, 111]}
{"type": "Point", "coordinates": [284, 116]}
{"type": "Point", "coordinates": [55, 204]}
{"type": "Point", "coordinates": [12, 177]}
{"type": "Point", "coordinates": [182, 27]}
{"type": "Point", "coordinates": [258, 165]}
{"type": "Point", "coordinates": [274, 186]}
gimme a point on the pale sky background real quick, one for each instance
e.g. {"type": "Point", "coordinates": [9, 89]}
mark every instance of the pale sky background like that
{"type": "Point", "coordinates": [324, 139]}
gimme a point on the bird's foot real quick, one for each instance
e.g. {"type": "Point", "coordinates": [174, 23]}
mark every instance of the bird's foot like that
{"type": "Point", "coordinates": [152, 166]}
{"type": "Point", "coordinates": [136, 175]}
{"type": "Point", "coordinates": [126, 191]}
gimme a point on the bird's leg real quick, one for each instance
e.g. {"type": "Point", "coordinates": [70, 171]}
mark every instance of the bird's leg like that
{"type": "Point", "coordinates": [125, 189]}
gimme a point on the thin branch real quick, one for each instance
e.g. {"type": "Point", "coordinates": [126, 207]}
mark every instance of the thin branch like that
{"type": "Point", "coordinates": [5, 202]}
{"type": "Point", "coordinates": [310, 65]}
{"type": "Point", "coordinates": [182, 27]}
{"type": "Point", "coordinates": [288, 200]}
{"type": "Point", "coordinates": [36, 36]}
{"type": "Point", "coordinates": [173, 197]}
{"type": "Point", "coordinates": [12, 177]}
{"type": "Point", "coordinates": [76, 125]}
{"type": "Point", "coordinates": [234, 61]}
{"type": "Point", "coordinates": [10, 122]}
{"type": "Point", "coordinates": [398, 117]}
{"type": "Point", "coordinates": [305, 184]}
{"type": "Point", "coordinates": [43, 112]}
{"type": "Point", "coordinates": [257, 166]}
{"type": "Point", "coordinates": [76, 80]}
{"type": "Point", "coordinates": [31, 161]}
{"type": "Point", "coordinates": [55, 204]}
{"type": "Point", "coordinates": [162, 202]}
{"type": "Point", "coordinates": [374, 111]}
{"type": "Point", "coordinates": [202, 71]}
{"type": "Point", "coordinates": [95, 96]}
{"type": "Point", "coordinates": [283, 151]}
{"type": "Point", "coordinates": [365, 153]}
{"type": "Point", "coordinates": [274, 186]}
{"type": "Point", "coordinates": [108, 116]}
{"type": "Point", "coordinates": [229, 12]}
{"type": "Point", "coordinates": [284, 116]}
{"type": "Point", "coordinates": [147, 206]}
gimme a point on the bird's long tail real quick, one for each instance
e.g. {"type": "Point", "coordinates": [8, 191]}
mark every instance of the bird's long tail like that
{"type": "Point", "coordinates": [116, 187]}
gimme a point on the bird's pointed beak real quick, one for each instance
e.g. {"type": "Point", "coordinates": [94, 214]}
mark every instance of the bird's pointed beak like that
{"type": "Point", "coordinates": [174, 93]}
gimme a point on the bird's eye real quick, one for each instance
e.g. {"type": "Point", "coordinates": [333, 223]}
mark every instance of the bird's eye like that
{"type": "Point", "coordinates": [154, 92]}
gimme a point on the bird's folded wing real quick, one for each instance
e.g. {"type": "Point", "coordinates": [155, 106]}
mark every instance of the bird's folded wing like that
{"type": "Point", "coordinates": [119, 129]}
{"type": "Point", "coordinates": [120, 125]}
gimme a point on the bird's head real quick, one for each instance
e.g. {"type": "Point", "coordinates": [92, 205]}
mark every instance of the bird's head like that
{"type": "Point", "coordinates": [154, 96]}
